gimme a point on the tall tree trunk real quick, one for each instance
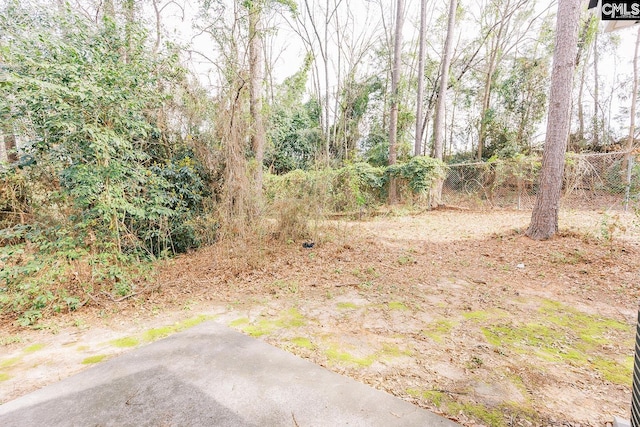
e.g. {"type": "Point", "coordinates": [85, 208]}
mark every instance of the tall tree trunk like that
{"type": "Point", "coordinates": [632, 108]}
{"type": "Point", "coordinates": [156, 10]}
{"type": "Point", "coordinates": [435, 194]}
{"type": "Point", "coordinates": [580, 107]}
{"type": "Point", "coordinates": [417, 146]}
{"type": "Point", "coordinates": [395, 98]}
{"type": "Point", "coordinates": [447, 152]}
{"type": "Point", "coordinates": [438, 127]}
{"type": "Point", "coordinates": [258, 136]}
{"type": "Point", "coordinates": [486, 97]}
{"type": "Point", "coordinates": [327, 91]}
{"type": "Point", "coordinates": [584, 49]}
{"type": "Point", "coordinates": [544, 219]}
{"type": "Point", "coordinates": [596, 96]}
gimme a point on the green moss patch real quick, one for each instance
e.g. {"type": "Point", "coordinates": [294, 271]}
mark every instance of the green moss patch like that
{"type": "Point", "coordinates": [490, 417]}
{"type": "Point", "coordinates": [260, 328]}
{"type": "Point", "coordinates": [487, 415]}
{"type": "Point", "coordinates": [347, 306]}
{"type": "Point", "coordinates": [291, 318]}
{"type": "Point", "coordinates": [94, 359]}
{"type": "Point", "coordinates": [521, 338]}
{"type": "Point", "coordinates": [349, 355]}
{"type": "Point", "coordinates": [33, 348]}
{"type": "Point", "coordinates": [614, 372]}
{"type": "Point", "coordinates": [436, 398]}
{"type": "Point", "coordinates": [238, 323]}
{"type": "Point", "coordinates": [125, 342]}
{"type": "Point", "coordinates": [397, 305]}
{"type": "Point", "coordinates": [564, 334]}
{"type": "Point", "coordinates": [438, 330]}
{"type": "Point", "coordinates": [337, 355]}
{"type": "Point", "coordinates": [303, 342]}
{"type": "Point", "coordinates": [159, 333]}
{"type": "Point", "coordinates": [482, 316]}
{"type": "Point", "coordinates": [393, 351]}
{"type": "Point", "coordinates": [286, 319]}
{"type": "Point", "coordinates": [9, 362]}
{"type": "Point", "coordinates": [591, 329]}
{"type": "Point", "coordinates": [4, 377]}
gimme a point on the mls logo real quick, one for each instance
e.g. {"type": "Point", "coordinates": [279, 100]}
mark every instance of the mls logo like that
{"type": "Point", "coordinates": [619, 14]}
{"type": "Point", "coordinates": [620, 10]}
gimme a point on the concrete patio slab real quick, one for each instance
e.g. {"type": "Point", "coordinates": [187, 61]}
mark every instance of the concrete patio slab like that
{"type": "Point", "coordinates": [211, 375]}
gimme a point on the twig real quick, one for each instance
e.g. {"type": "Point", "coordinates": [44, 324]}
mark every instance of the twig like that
{"type": "Point", "coordinates": [341, 285]}
{"type": "Point", "coordinates": [92, 298]}
{"type": "Point", "coordinates": [461, 393]}
{"type": "Point", "coordinates": [120, 299]}
{"type": "Point", "coordinates": [295, 423]}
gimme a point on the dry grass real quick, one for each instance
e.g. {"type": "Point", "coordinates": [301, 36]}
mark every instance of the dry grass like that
{"type": "Point", "coordinates": [413, 306]}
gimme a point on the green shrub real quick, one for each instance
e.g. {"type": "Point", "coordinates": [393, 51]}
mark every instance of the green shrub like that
{"type": "Point", "coordinates": [352, 188]}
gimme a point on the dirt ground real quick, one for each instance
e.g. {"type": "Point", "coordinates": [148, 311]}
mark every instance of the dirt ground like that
{"type": "Point", "coordinates": [456, 311]}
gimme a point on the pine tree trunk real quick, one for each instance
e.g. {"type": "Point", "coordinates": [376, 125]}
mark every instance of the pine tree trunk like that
{"type": "Point", "coordinates": [583, 51]}
{"type": "Point", "coordinates": [417, 146]}
{"type": "Point", "coordinates": [439, 122]}
{"type": "Point", "coordinates": [544, 219]}
{"type": "Point", "coordinates": [596, 96]}
{"type": "Point", "coordinates": [393, 115]}
{"type": "Point", "coordinates": [486, 98]}
{"type": "Point", "coordinates": [632, 109]}
{"type": "Point", "coordinates": [258, 136]}
{"type": "Point", "coordinates": [438, 128]}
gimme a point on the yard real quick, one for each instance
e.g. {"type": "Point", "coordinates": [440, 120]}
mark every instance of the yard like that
{"type": "Point", "coordinates": [454, 310]}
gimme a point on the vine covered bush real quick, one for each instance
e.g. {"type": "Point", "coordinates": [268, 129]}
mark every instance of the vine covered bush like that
{"type": "Point", "coordinates": [102, 187]}
{"type": "Point", "coordinates": [355, 187]}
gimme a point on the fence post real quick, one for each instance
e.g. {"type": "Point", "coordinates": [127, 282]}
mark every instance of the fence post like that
{"type": "Point", "coordinates": [635, 390]}
{"type": "Point", "coordinates": [635, 393]}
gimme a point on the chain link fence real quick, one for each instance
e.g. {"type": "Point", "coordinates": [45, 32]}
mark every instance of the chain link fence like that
{"type": "Point", "coordinates": [591, 181]}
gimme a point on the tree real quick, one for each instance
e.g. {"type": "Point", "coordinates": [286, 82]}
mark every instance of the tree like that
{"type": "Point", "coordinates": [395, 95]}
{"type": "Point", "coordinates": [544, 219]}
{"type": "Point", "coordinates": [596, 96]}
{"type": "Point", "coordinates": [438, 126]}
{"type": "Point", "coordinates": [295, 132]}
{"type": "Point", "coordinates": [258, 136]}
{"type": "Point", "coordinates": [329, 11]}
{"type": "Point", "coordinates": [507, 24]}
{"type": "Point", "coordinates": [634, 97]}
{"type": "Point", "coordinates": [417, 146]}
{"type": "Point", "coordinates": [632, 110]}
{"type": "Point", "coordinates": [256, 67]}
{"type": "Point", "coordinates": [585, 41]}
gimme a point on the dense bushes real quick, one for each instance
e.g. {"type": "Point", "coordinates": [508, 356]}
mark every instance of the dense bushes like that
{"type": "Point", "coordinates": [103, 186]}
{"type": "Point", "coordinates": [109, 179]}
{"type": "Point", "coordinates": [355, 187]}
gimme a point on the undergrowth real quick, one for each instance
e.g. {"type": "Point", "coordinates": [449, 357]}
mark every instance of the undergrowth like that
{"type": "Point", "coordinates": [302, 198]}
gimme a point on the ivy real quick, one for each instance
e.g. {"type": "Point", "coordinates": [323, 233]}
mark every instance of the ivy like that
{"type": "Point", "coordinates": [356, 186]}
{"type": "Point", "coordinates": [99, 192]}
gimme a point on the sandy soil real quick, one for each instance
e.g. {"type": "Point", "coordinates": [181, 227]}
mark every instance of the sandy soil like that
{"type": "Point", "coordinates": [456, 311]}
